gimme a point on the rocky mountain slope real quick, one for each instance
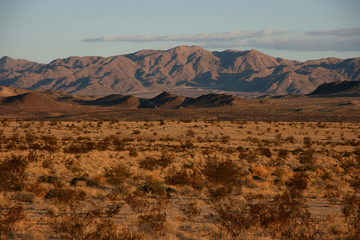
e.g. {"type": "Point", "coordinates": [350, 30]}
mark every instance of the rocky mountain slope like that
{"type": "Point", "coordinates": [180, 67]}
{"type": "Point", "coordinates": [54, 99]}
{"type": "Point", "coordinates": [345, 88]}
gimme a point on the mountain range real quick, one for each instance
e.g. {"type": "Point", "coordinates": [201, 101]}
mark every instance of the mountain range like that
{"type": "Point", "coordinates": [184, 67]}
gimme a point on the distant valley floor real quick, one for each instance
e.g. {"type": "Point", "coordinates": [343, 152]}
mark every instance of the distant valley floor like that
{"type": "Point", "coordinates": [291, 108]}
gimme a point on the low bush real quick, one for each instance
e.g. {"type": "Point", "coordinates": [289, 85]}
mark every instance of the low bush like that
{"type": "Point", "coordinates": [155, 219]}
{"type": "Point", "coordinates": [189, 175]}
{"type": "Point", "coordinates": [9, 216]}
{"type": "Point", "coordinates": [265, 152]}
{"type": "Point", "coordinates": [51, 179]}
{"type": "Point", "coordinates": [191, 210]}
{"type": "Point", "coordinates": [222, 171]}
{"type": "Point", "coordinates": [150, 163]}
{"type": "Point", "coordinates": [117, 174]}
{"type": "Point", "coordinates": [89, 225]}
{"type": "Point", "coordinates": [65, 195]}
{"type": "Point", "coordinates": [13, 173]}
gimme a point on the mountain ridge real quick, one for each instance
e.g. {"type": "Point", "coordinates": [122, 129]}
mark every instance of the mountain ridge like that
{"type": "Point", "coordinates": [190, 67]}
{"type": "Point", "coordinates": [22, 99]}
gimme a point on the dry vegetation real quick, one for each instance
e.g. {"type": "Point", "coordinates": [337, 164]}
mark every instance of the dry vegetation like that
{"type": "Point", "coordinates": [179, 180]}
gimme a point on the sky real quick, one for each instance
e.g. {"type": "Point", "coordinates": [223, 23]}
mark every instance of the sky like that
{"type": "Point", "coordinates": [44, 30]}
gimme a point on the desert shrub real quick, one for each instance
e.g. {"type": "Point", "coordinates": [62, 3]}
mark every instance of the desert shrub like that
{"type": "Point", "coordinates": [133, 152]}
{"type": "Point", "coordinates": [138, 203]}
{"type": "Point", "coordinates": [307, 157]}
{"type": "Point", "coordinates": [136, 132]}
{"type": "Point", "coordinates": [103, 145]}
{"type": "Point", "coordinates": [189, 175]}
{"type": "Point", "coordinates": [259, 171]}
{"type": "Point", "coordinates": [30, 138]}
{"type": "Point", "coordinates": [150, 163]}
{"type": "Point", "coordinates": [191, 210]}
{"type": "Point", "coordinates": [333, 194]}
{"type": "Point", "coordinates": [280, 175]}
{"type": "Point", "coordinates": [232, 217]}
{"type": "Point", "coordinates": [50, 179]}
{"type": "Point", "coordinates": [36, 189]}
{"type": "Point", "coordinates": [32, 156]}
{"type": "Point", "coordinates": [307, 142]}
{"type": "Point", "coordinates": [9, 215]}
{"type": "Point", "coordinates": [283, 154]}
{"type": "Point", "coordinates": [65, 195]}
{"type": "Point", "coordinates": [248, 155]}
{"type": "Point", "coordinates": [225, 139]}
{"type": "Point", "coordinates": [218, 193]}
{"type": "Point", "coordinates": [297, 185]}
{"type": "Point", "coordinates": [187, 145]}
{"type": "Point", "coordinates": [222, 171]}
{"type": "Point", "coordinates": [113, 210]}
{"type": "Point", "coordinates": [23, 197]}
{"type": "Point", "coordinates": [84, 178]}
{"type": "Point", "coordinates": [13, 173]}
{"type": "Point", "coordinates": [48, 163]}
{"type": "Point", "coordinates": [307, 167]}
{"type": "Point", "coordinates": [117, 174]}
{"type": "Point", "coordinates": [88, 225]}
{"type": "Point", "coordinates": [155, 219]}
{"type": "Point", "coordinates": [290, 139]}
{"type": "Point", "coordinates": [155, 187]}
{"type": "Point", "coordinates": [265, 152]}
{"type": "Point", "coordinates": [81, 147]}
{"type": "Point", "coordinates": [283, 217]}
{"type": "Point", "coordinates": [51, 144]}
{"type": "Point", "coordinates": [190, 133]}
{"type": "Point", "coordinates": [351, 212]}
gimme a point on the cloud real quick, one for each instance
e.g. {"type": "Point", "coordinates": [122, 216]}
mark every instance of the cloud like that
{"type": "Point", "coordinates": [320, 40]}
{"type": "Point", "coordinates": [308, 44]}
{"type": "Point", "coordinates": [222, 36]}
{"type": "Point", "coordinates": [345, 32]}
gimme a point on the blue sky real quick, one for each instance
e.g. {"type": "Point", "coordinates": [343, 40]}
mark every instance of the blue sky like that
{"type": "Point", "coordinates": [43, 30]}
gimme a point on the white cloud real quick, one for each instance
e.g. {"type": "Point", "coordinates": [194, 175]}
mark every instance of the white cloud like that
{"type": "Point", "coordinates": [320, 40]}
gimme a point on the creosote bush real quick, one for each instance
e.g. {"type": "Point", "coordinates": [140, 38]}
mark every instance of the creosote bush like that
{"type": "Point", "coordinates": [189, 175]}
{"type": "Point", "coordinates": [155, 219]}
{"type": "Point", "coordinates": [9, 215]}
{"type": "Point", "coordinates": [13, 173]}
{"type": "Point", "coordinates": [117, 174]}
{"type": "Point", "coordinates": [191, 210]}
{"type": "Point", "coordinates": [89, 225]}
{"type": "Point", "coordinates": [283, 217]}
{"type": "Point", "coordinates": [150, 163]}
{"type": "Point", "coordinates": [65, 195]}
{"type": "Point", "coordinates": [222, 171]}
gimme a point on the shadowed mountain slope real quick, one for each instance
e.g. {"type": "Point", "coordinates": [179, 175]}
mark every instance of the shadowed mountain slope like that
{"type": "Point", "coordinates": [345, 88]}
{"type": "Point", "coordinates": [180, 67]}
{"type": "Point", "coordinates": [55, 99]}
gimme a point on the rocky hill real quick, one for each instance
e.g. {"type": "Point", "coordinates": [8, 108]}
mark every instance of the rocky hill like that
{"type": "Point", "coordinates": [52, 99]}
{"type": "Point", "coordinates": [345, 88]}
{"type": "Point", "coordinates": [180, 67]}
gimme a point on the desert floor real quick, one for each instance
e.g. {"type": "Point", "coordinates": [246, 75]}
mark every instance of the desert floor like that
{"type": "Point", "coordinates": [188, 179]}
